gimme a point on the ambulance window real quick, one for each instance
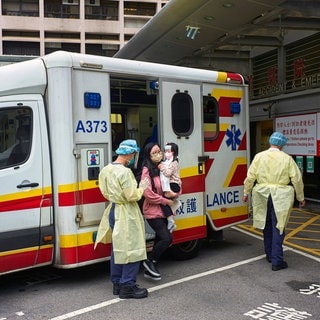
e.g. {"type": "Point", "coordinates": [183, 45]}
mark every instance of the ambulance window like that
{"type": "Point", "coordinates": [15, 136]}
{"type": "Point", "coordinates": [210, 118]}
{"type": "Point", "coordinates": [182, 114]}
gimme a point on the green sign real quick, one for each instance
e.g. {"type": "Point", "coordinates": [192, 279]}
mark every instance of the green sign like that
{"type": "Point", "coordinates": [310, 164]}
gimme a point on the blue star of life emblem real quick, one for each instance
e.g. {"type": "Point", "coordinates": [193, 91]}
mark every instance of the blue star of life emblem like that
{"type": "Point", "coordinates": [233, 137]}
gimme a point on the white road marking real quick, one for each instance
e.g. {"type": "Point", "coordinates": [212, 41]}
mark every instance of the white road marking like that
{"type": "Point", "coordinates": [87, 309]}
{"type": "Point", "coordinates": [20, 313]}
{"type": "Point", "coordinates": [206, 273]}
{"type": "Point", "coordinates": [185, 279]}
{"type": "Point", "coordinates": [159, 287]}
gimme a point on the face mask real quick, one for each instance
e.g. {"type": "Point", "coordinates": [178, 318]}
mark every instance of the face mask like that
{"type": "Point", "coordinates": [156, 157]}
{"type": "Point", "coordinates": [168, 155]}
{"type": "Point", "coordinates": [131, 162]}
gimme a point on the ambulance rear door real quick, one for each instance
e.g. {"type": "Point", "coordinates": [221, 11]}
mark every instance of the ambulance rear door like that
{"type": "Point", "coordinates": [180, 117]}
{"type": "Point", "coordinates": [225, 142]}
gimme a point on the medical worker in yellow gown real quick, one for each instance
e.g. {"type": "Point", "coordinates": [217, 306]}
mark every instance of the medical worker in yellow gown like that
{"type": "Point", "coordinates": [123, 222]}
{"type": "Point", "coordinates": [274, 178]}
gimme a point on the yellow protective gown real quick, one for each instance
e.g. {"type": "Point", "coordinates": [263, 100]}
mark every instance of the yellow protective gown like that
{"type": "Point", "coordinates": [272, 171]}
{"type": "Point", "coordinates": [118, 185]}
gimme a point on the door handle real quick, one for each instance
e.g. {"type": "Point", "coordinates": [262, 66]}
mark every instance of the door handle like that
{"type": "Point", "coordinates": [201, 161]}
{"type": "Point", "coordinates": [28, 185]}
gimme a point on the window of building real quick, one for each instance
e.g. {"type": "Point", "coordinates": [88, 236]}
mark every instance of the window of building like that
{"type": "Point", "coordinates": [134, 22]}
{"type": "Point", "coordinates": [65, 9]}
{"type": "Point", "coordinates": [62, 35]}
{"type": "Point", "coordinates": [15, 136]}
{"type": "Point", "coordinates": [127, 37]}
{"type": "Point", "coordinates": [102, 36]}
{"type": "Point", "coordinates": [57, 41]}
{"type": "Point", "coordinates": [71, 47]}
{"type": "Point", "coordinates": [20, 8]}
{"type": "Point", "coordinates": [133, 8]}
{"type": "Point", "coordinates": [182, 114]}
{"type": "Point", "coordinates": [52, 46]}
{"type": "Point", "coordinates": [13, 34]}
{"type": "Point", "coordinates": [107, 10]}
{"type": "Point", "coordinates": [21, 48]}
{"type": "Point", "coordinates": [107, 50]}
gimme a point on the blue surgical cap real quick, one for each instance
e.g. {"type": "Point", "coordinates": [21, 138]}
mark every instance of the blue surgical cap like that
{"type": "Point", "coordinates": [127, 147]}
{"type": "Point", "coordinates": [278, 139]}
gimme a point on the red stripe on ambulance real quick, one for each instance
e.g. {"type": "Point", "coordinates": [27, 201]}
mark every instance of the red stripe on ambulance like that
{"type": "Point", "coordinates": [214, 145]}
{"type": "Point", "coordinates": [26, 203]}
{"type": "Point", "coordinates": [21, 260]}
{"type": "Point", "coordinates": [87, 196]}
{"type": "Point", "coordinates": [224, 106]}
{"type": "Point", "coordinates": [243, 144]}
{"type": "Point", "coordinates": [238, 176]}
{"type": "Point", "coordinates": [193, 184]}
{"type": "Point", "coordinates": [189, 234]}
{"type": "Point", "coordinates": [84, 253]}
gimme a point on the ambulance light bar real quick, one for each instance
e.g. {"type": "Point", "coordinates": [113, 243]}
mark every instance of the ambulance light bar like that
{"type": "Point", "coordinates": [234, 78]}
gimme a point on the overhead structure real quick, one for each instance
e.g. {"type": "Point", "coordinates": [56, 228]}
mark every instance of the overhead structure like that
{"type": "Point", "coordinates": [217, 33]}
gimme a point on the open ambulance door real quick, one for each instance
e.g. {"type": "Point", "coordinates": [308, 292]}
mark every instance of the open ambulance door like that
{"type": "Point", "coordinates": [26, 221]}
{"type": "Point", "coordinates": [180, 118]}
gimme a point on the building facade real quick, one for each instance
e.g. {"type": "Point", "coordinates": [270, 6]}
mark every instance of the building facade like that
{"type": "Point", "coordinates": [100, 27]}
{"type": "Point", "coordinates": [285, 96]}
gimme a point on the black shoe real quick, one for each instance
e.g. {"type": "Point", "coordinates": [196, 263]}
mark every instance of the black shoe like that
{"type": "Point", "coordinates": [151, 267]}
{"type": "Point", "coordinates": [268, 259]}
{"type": "Point", "coordinates": [116, 288]}
{"type": "Point", "coordinates": [148, 275]}
{"type": "Point", "coordinates": [283, 265]}
{"type": "Point", "coordinates": [128, 292]}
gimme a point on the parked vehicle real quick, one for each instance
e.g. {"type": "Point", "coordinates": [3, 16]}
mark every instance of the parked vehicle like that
{"type": "Point", "coordinates": [61, 117]}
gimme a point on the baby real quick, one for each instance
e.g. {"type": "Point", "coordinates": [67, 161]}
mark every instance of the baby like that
{"type": "Point", "coordinates": [170, 182]}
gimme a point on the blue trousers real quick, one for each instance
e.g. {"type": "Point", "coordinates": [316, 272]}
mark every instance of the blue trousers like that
{"type": "Point", "coordinates": [122, 273]}
{"type": "Point", "coordinates": [273, 240]}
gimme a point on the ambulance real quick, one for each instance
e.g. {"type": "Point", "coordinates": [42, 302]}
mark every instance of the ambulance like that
{"type": "Point", "coordinates": [61, 118]}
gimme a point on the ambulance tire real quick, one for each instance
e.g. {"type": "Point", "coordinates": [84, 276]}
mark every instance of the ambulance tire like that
{"type": "Point", "coordinates": [185, 250]}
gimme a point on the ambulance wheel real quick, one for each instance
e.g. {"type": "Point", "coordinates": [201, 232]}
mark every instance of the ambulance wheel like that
{"type": "Point", "coordinates": [185, 250]}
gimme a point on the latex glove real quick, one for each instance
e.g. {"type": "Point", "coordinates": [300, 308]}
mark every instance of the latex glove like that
{"type": "Point", "coordinates": [144, 183]}
{"type": "Point", "coordinates": [302, 203]}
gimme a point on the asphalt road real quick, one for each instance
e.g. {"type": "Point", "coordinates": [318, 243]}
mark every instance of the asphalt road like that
{"type": "Point", "coordinates": [228, 280]}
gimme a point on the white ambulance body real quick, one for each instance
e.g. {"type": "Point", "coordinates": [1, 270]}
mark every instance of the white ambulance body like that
{"type": "Point", "coordinates": [61, 118]}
